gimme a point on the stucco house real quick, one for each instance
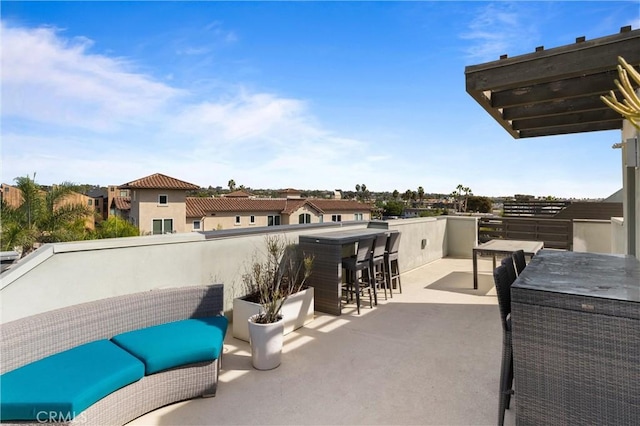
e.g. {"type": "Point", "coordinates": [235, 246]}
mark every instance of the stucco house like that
{"type": "Point", "coordinates": [157, 203]}
{"type": "Point", "coordinates": [237, 210]}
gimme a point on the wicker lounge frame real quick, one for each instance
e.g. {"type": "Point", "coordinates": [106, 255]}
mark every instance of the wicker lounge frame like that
{"type": "Point", "coordinates": [29, 339]}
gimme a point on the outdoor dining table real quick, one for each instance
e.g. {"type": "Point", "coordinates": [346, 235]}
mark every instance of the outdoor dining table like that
{"type": "Point", "coordinates": [327, 250]}
{"type": "Point", "coordinates": [576, 339]}
{"type": "Point", "coordinates": [496, 248]}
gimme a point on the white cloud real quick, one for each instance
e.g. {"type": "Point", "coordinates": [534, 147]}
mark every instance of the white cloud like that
{"type": "Point", "coordinates": [48, 79]}
{"type": "Point", "coordinates": [72, 115]}
{"type": "Point", "coordinates": [498, 29]}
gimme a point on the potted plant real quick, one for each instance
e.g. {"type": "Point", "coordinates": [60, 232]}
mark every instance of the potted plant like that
{"type": "Point", "coordinates": [271, 282]}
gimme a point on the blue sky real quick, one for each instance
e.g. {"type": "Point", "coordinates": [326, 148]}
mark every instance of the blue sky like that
{"type": "Point", "coordinates": [309, 95]}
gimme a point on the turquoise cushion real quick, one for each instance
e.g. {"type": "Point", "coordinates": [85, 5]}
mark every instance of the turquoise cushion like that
{"type": "Point", "coordinates": [65, 384]}
{"type": "Point", "coordinates": [175, 343]}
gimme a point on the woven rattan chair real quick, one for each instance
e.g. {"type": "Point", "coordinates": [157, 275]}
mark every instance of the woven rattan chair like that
{"type": "Point", "coordinates": [518, 259]}
{"type": "Point", "coordinates": [356, 267]}
{"type": "Point", "coordinates": [391, 261]}
{"type": "Point", "coordinates": [504, 275]}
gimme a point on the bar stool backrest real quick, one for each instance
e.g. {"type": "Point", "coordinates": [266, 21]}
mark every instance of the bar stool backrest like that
{"type": "Point", "coordinates": [518, 259]}
{"type": "Point", "coordinates": [393, 242]}
{"type": "Point", "coordinates": [380, 246]}
{"type": "Point", "coordinates": [508, 263]}
{"type": "Point", "coordinates": [503, 277]}
{"type": "Point", "coordinates": [365, 245]}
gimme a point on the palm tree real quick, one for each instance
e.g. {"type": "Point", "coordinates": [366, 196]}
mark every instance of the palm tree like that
{"type": "Point", "coordinates": [43, 217]}
{"type": "Point", "coordinates": [60, 220]}
{"type": "Point", "coordinates": [232, 185]}
{"type": "Point", "coordinates": [365, 192]}
{"type": "Point", "coordinates": [467, 193]}
{"type": "Point", "coordinates": [420, 194]}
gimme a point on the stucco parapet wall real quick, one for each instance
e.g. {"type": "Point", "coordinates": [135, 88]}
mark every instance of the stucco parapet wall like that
{"type": "Point", "coordinates": [618, 220]}
{"type": "Point", "coordinates": [592, 221]}
{"type": "Point", "coordinates": [452, 217]}
{"type": "Point", "coordinates": [46, 251]}
{"type": "Point", "coordinates": [279, 229]}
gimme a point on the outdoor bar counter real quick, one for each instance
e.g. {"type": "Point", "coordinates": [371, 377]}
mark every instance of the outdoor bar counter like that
{"type": "Point", "coordinates": [328, 249]}
{"type": "Point", "coordinates": [576, 339]}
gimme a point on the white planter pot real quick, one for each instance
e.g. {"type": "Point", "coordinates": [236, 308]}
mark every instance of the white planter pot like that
{"type": "Point", "coordinates": [266, 343]}
{"type": "Point", "coordinates": [297, 311]}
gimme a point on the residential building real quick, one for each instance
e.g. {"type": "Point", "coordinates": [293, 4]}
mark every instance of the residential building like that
{"type": "Point", "coordinates": [240, 211]}
{"type": "Point", "coordinates": [157, 204]}
{"type": "Point", "coordinates": [119, 201]}
{"type": "Point", "coordinates": [10, 195]}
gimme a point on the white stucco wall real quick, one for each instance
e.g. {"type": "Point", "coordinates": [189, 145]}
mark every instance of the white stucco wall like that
{"type": "Point", "coordinates": [593, 236]}
{"type": "Point", "coordinates": [63, 274]}
{"type": "Point", "coordinates": [618, 237]}
{"type": "Point", "coordinates": [462, 235]}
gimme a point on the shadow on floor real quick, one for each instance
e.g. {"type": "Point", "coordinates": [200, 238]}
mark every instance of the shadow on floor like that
{"type": "Point", "coordinates": [462, 282]}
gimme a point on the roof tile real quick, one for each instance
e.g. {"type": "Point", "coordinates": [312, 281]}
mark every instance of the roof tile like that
{"type": "Point", "coordinates": [158, 181]}
{"type": "Point", "coordinates": [200, 207]}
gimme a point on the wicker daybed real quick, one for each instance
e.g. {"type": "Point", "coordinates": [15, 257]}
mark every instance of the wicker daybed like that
{"type": "Point", "coordinates": [30, 339]}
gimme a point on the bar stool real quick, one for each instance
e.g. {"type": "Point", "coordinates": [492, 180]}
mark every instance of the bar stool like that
{"type": "Point", "coordinates": [378, 270]}
{"type": "Point", "coordinates": [355, 266]}
{"type": "Point", "coordinates": [504, 275]}
{"type": "Point", "coordinates": [391, 261]}
{"type": "Point", "coordinates": [519, 261]}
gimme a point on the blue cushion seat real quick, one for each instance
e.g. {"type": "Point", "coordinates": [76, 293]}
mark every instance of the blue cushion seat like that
{"type": "Point", "coordinates": [61, 386]}
{"type": "Point", "coordinates": [176, 343]}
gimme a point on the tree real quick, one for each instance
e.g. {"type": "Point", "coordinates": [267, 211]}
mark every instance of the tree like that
{"type": "Point", "coordinates": [43, 217]}
{"type": "Point", "coordinates": [420, 194]}
{"type": "Point", "coordinates": [115, 227]}
{"type": "Point", "coordinates": [479, 204]}
{"type": "Point", "coordinates": [461, 196]}
{"type": "Point", "coordinates": [396, 194]}
{"type": "Point", "coordinates": [365, 192]}
{"type": "Point", "coordinates": [362, 193]}
{"type": "Point", "coordinates": [394, 208]}
{"type": "Point", "coordinates": [232, 185]}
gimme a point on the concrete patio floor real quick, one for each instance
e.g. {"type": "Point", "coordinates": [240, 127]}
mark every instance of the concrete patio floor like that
{"type": "Point", "coordinates": [429, 356]}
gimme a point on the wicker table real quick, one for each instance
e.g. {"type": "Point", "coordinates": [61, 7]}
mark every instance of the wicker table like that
{"type": "Point", "coordinates": [326, 276]}
{"type": "Point", "coordinates": [502, 248]}
{"type": "Point", "coordinates": [576, 339]}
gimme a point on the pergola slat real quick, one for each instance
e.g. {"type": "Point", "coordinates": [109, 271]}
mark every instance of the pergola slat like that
{"type": "Point", "coordinates": [555, 91]}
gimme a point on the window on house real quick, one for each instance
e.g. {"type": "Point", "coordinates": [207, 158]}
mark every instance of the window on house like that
{"type": "Point", "coordinates": [357, 216]}
{"type": "Point", "coordinates": [163, 200]}
{"type": "Point", "coordinates": [304, 218]}
{"type": "Point", "coordinates": [273, 220]}
{"type": "Point", "coordinates": [123, 192]}
{"type": "Point", "coordinates": [162, 226]}
{"type": "Point", "coordinates": [237, 220]}
{"type": "Point", "coordinates": [196, 225]}
{"type": "Point", "coordinates": [252, 220]}
{"type": "Point", "coordinates": [90, 202]}
{"type": "Point", "coordinates": [321, 219]}
{"type": "Point", "coordinates": [112, 189]}
{"type": "Point", "coordinates": [336, 218]}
